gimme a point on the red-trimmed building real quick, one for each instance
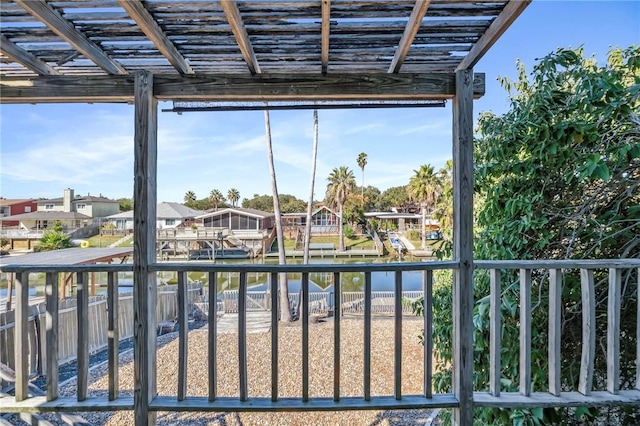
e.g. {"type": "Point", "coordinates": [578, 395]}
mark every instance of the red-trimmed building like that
{"type": "Point", "coordinates": [14, 207]}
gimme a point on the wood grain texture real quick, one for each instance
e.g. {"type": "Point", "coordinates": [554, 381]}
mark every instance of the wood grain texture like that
{"type": "Point", "coordinates": [232, 13]}
{"type": "Point", "coordinates": [427, 287]}
{"type": "Point", "coordinates": [525, 332]}
{"type": "Point", "coordinates": [44, 12]}
{"type": "Point", "coordinates": [212, 322]}
{"type": "Point", "coordinates": [463, 247]}
{"type": "Point", "coordinates": [613, 330]}
{"type": "Point", "coordinates": [324, 35]}
{"type": "Point", "coordinates": [408, 35]}
{"type": "Point", "coordinates": [27, 59]}
{"type": "Point", "coordinates": [587, 362]}
{"type": "Point", "coordinates": [183, 335]}
{"type": "Point", "coordinates": [366, 350]}
{"type": "Point", "coordinates": [555, 330]}
{"type": "Point", "coordinates": [113, 334]}
{"type": "Point", "coordinates": [52, 325]}
{"type": "Point", "coordinates": [397, 344]}
{"type": "Point", "coordinates": [238, 88]}
{"type": "Point", "coordinates": [144, 240]}
{"type": "Point", "coordinates": [337, 286]}
{"type": "Point", "coordinates": [495, 332]}
{"type": "Point", "coordinates": [21, 345]}
{"type": "Point", "coordinates": [82, 311]}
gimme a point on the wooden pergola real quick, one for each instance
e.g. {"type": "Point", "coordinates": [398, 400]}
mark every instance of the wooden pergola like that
{"type": "Point", "coordinates": [142, 52]}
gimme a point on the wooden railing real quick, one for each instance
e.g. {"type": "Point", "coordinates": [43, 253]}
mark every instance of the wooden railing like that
{"type": "Point", "coordinates": [554, 395]}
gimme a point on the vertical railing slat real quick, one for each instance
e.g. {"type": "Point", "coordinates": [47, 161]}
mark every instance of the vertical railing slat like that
{"type": "Point", "coordinates": [183, 332]}
{"type": "Point", "coordinates": [585, 382]}
{"type": "Point", "coordinates": [367, 336]}
{"type": "Point", "coordinates": [21, 337]}
{"type": "Point", "coordinates": [427, 288]}
{"type": "Point", "coordinates": [555, 329]}
{"type": "Point", "coordinates": [213, 334]}
{"type": "Point", "coordinates": [83, 334]}
{"type": "Point", "coordinates": [613, 331]}
{"type": "Point", "coordinates": [495, 331]}
{"type": "Point", "coordinates": [525, 332]}
{"type": "Point", "coordinates": [274, 336]}
{"type": "Point", "coordinates": [51, 325]}
{"type": "Point", "coordinates": [305, 336]}
{"type": "Point", "coordinates": [337, 309]}
{"type": "Point", "coordinates": [113, 333]}
{"type": "Point", "coordinates": [638, 331]}
{"type": "Point", "coordinates": [242, 335]}
{"type": "Point", "coordinates": [397, 344]}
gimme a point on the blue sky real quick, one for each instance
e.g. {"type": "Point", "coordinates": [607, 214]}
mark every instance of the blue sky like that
{"type": "Point", "coordinates": [46, 148]}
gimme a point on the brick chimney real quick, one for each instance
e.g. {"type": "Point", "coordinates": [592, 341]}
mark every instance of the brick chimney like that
{"type": "Point", "coordinates": [67, 199]}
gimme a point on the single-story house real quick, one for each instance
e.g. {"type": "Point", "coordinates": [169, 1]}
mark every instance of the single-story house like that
{"type": "Point", "coordinates": [40, 220]}
{"type": "Point", "coordinates": [404, 221]}
{"type": "Point", "coordinates": [238, 219]}
{"type": "Point", "coordinates": [15, 207]}
{"type": "Point", "coordinates": [168, 215]}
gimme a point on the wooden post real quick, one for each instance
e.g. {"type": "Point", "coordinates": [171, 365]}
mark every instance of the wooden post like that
{"type": "Point", "coordinates": [144, 238]}
{"type": "Point", "coordinates": [21, 360]}
{"type": "Point", "coordinates": [463, 247]}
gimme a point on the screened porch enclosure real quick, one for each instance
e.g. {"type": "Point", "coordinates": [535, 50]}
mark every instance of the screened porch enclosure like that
{"type": "Point", "coordinates": [395, 53]}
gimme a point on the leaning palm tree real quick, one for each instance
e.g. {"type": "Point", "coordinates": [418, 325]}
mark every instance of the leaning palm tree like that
{"type": "Point", "coordinates": [341, 184]}
{"type": "Point", "coordinates": [285, 308]}
{"type": "Point", "coordinates": [362, 161]}
{"type": "Point", "coordinates": [424, 186]}
{"type": "Point", "coordinates": [233, 195]}
{"type": "Point", "coordinates": [189, 197]}
{"type": "Point", "coordinates": [216, 198]}
{"type": "Point", "coordinates": [443, 210]}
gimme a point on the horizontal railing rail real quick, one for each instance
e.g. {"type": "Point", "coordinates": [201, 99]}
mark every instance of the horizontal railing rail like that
{"type": "Point", "coordinates": [526, 396]}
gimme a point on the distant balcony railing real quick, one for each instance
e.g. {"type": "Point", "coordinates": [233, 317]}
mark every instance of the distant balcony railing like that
{"type": "Point", "coordinates": [550, 394]}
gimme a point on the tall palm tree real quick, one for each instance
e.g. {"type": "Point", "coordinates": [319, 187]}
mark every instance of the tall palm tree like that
{"type": "Point", "coordinates": [362, 161]}
{"type": "Point", "coordinates": [189, 197]}
{"type": "Point", "coordinates": [424, 186]}
{"type": "Point", "coordinates": [216, 198]}
{"type": "Point", "coordinates": [314, 155]}
{"type": "Point", "coordinates": [285, 307]}
{"type": "Point", "coordinates": [341, 184]}
{"type": "Point", "coordinates": [233, 195]}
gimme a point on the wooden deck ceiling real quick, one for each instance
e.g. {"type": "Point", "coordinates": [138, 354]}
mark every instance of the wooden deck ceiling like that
{"type": "Point", "coordinates": [373, 42]}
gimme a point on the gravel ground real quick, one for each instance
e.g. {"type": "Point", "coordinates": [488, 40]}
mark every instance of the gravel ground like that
{"type": "Point", "coordinates": [290, 381]}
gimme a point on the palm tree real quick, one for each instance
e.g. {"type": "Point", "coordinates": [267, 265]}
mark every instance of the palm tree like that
{"type": "Point", "coordinates": [362, 161]}
{"type": "Point", "coordinates": [341, 184]}
{"type": "Point", "coordinates": [285, 308]}
{"type": "Point", "coordinates": [233, 195]}
{"type": "Point", "coordinates": [314, 155]}
{"type": "Point", "coordinates": [443, 211]}
{"type": "Point", "coordinates": [216, 198]}
{"type": "Point", "coordinates": [424, 186]}
{"type": "Point", "coordinates": [189, 197]}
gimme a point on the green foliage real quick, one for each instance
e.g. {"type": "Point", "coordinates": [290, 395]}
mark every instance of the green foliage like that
{"type": "Point", "coordinates": [288, 203]}
{"type": "Point", "coordinates": [53, 239]}
{"type": "Point", "coordinates": [348, 231]}
{"type": "Point", "coordinates": [413, 234]}
{"type": "Point", "coordinates": [4, 242]}
{"type": "Point", "coordinates": [126, 204]}
{"type": "Point", "coordinates": [557, 177]}
{"type": "Point", "coordinates": [396, 196]}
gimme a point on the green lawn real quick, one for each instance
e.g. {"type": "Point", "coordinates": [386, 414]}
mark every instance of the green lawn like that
{"type": "Point", "coordinates": [106, 240]}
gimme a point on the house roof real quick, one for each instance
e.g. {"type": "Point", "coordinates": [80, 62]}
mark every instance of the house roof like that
{"type": "Point", "coordinates": [48, 215]}
{"type": "Point", "coordinates": [70, 256]}
{"type": "Point", "coordinates": [164, 210]}
{"type": "Point", "coordinates": [239, 210]}
{"type": "Point", "coordinates": [11, 202]}
{"type": "Point", "coordinates": [80, 199]}
{"type": "Point", "coordinates": [404, 50]}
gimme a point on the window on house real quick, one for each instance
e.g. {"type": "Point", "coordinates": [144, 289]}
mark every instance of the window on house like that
{"type": "Point", "coordinates": [169, 222]}
{"type": "Point", "coordinates": [4, 211]}
{"type": "Point", "coordinates": [49, 206]}
{"type": "Point", "coordinates": [81, 206]}
{"type": "Point", "coordinates": [27, 209]}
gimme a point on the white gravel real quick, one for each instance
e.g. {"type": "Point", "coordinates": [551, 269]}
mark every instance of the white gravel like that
{"type": "Point", "coordinates": [290, 377]}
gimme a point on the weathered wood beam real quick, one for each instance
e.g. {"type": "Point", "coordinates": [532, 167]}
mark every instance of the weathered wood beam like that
{"type": "Point", "coordinates": [150, 27]}
{"type": "Point", "coordinates": [241, 88]}
{"type": "Point", "coordinates": [25, 58]}
{"type": "Point", "coordinates": [144, 254]}
{"type": "Point", "coordinates": [463, 248]}
{"type": "Point", "coordinates": [325, 30]}
{"type": "Point", "coordinates": [410, 31]}
{"type": "Point", "coordinates": [232, 13]}
{"type": "Point", "coordinates": [510, 13]}
{"type": "Point", "coordinates": [45, 13]}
